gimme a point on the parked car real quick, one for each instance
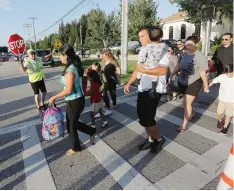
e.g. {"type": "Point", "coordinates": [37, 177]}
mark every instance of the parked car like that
{"type": "Point", "coordinates": [4, 59]}
{"type": "Point", "coordinates": [45, 61]}
{"type": "Point", "coordinates": [13, 58]}
{"type": "Point", "coordinates": [86, 52]}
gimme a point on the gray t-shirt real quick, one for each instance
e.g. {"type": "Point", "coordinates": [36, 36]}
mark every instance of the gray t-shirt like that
{"type": "Point", "coordinates": [152, 56]}
{"type": "Point", "coordinates": [190, 67]}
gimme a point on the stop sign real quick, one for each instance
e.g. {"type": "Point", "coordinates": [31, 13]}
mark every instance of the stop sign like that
{"type": "Point", "coordinates": [16, 44]}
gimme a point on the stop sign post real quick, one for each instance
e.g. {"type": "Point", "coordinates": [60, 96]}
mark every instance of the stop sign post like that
{"type": "Point", "coordinates": [16, 44]}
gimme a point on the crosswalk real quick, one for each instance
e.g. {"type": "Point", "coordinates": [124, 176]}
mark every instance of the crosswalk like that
{"type": "Point", "coordinates": [189, 160]}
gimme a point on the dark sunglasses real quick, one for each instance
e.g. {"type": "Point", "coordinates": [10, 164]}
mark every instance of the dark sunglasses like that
{"type": "Point", "coordinates": [225, 39]}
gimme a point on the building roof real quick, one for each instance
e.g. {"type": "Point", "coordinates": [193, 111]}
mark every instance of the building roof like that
{"type": "Point", "coordinates": [174, 17]}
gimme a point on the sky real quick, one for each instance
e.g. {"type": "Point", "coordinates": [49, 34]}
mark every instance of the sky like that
{"type": "Point", "coordinates": [14, 14]}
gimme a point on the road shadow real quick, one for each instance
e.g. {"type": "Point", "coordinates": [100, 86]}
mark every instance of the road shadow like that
{"type": "Point", "coordinates": [20, 80]}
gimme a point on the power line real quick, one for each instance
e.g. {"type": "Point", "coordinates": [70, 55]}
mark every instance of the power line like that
{"type": "Point", "coordinates": [58, 21]}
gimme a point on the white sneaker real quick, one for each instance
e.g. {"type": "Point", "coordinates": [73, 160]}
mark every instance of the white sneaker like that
{"type": "Point", "coordinates": [108, 112]}
{"type": "Point", "coordinates": [105, 124]}
{"type": "Point", "coordinates": [97, 116]}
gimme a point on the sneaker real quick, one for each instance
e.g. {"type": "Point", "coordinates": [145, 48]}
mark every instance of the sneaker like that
{"type": "Point", "coordinates": [105, 124]}
{"type": "Point", "coordinates": [97, 116]}
{"type": "Point", "coordinates": [108, 112]}
{"type": "Point", "coordinates": [93, 126]}
{"type": "Point", "coordinates": [157, 145]}
{"type": "Point", "coordinates": [145, 146]}
{"type": "Point", "coordinates": [220, 124]}
{"type": "Point", "coordinates": [224, 131]}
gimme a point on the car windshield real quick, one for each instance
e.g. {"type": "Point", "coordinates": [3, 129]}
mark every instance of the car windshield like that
{"type": "Point", "coordinates": [41, 53]}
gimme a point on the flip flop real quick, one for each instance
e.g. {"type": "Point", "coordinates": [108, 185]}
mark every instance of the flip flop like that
{"type": "Point", "coordinates": [71, 152]}
{"type": "Point", "coordinates": [180, 129]}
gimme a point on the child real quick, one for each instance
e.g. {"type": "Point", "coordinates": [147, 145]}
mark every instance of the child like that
{"type": "Point", "coordinates": [226, 98]}
{"type": "Point", "coordinates": [150, 55]}
{"type": "Point", "coordinates": [96, 97]}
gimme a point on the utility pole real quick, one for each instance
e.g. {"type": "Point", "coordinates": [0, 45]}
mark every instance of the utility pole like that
{"type": "Point", "coordinates": [34, 31]}
{"type": "Point", "coordinates": [124, 38]}
{"type": "Point", "coordinates": [28, 26]}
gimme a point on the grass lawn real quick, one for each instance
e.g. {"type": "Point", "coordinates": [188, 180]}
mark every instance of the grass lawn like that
{"type": "Point", "coordinates": [124, 77]}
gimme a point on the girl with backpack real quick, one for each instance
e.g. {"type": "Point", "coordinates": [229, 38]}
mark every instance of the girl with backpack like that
{"type": "Point", "coordinates": [71, 80]}
{"type": "Point", "coordinates": [96, 97]}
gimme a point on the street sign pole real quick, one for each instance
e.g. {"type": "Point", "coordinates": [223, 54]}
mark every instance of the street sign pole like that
{"type": "Point", "coordinates": [208, 32]}
{"type": "Point", "coordinates": [208, 14]}
{"type": "Point", "coordinates": [124, 39]}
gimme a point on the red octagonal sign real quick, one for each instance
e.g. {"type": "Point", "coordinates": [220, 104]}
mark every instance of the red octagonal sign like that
{"type": "Point", "coordinates": [16, 44]}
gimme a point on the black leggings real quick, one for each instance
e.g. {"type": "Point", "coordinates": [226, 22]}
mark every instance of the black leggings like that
{"type": "Point", "coordinates": [106, 98]}
{"type": "Point", "coordinates": [73, 111]}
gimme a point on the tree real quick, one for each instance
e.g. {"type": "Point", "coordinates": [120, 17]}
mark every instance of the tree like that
{"type": "Point", "coordinates": [193, 8]}
{"type": "Point", "coordinates": [142, 13]}
{"type": "Point", "coordinates": [101, 28]}
{"type": "Point", "coordinates": [61, 33]}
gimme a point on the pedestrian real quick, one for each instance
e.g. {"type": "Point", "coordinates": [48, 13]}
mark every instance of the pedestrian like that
{"type": "Point", "coordinates": [180, 46]}
{"type": "Point", "coordinates": [96, 97]}
{"type": "Point", "coordinates": [226, 97]}
{"type": "Point", "coordinates": [192, 65]}
{"type": "Point", "coordinates": [71, 80]}
{"type": "Point", "coordinates": [34, 67]}
{"type": "Point", "coordinates": [112, 73]}
{"type": "Point", "coordinates": [224, 54]}
{"type": "Point", "coordinates": [171, 88]}
{"type": "Point", "coordinates": [150, 88]}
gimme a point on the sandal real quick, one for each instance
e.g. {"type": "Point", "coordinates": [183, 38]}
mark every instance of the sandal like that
{"type": "Point", "coordinates": [181, 129]}
{"type": "Point", "coordinates": [71, 152]}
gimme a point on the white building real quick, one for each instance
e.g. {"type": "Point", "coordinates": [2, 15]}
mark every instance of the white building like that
{"type": "Point", "coordinates": [175, 27]}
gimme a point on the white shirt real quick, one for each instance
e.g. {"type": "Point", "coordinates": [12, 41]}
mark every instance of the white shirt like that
{"type": "Point", "coordinates": [226, 90]}
{"type": "Point", "coordinates": [152, 56]}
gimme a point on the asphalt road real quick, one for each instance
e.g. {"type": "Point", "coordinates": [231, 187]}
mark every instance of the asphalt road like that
{"type": "Point", "coordinates": [190, 160]}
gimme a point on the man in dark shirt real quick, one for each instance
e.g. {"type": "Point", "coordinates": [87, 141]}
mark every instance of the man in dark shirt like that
{"type": "Point", "coordinates": [180, 46]}
{"type": "Point", "coordinates": [224, 54]}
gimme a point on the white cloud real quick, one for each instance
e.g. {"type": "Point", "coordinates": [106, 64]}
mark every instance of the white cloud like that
{"type": "Point", "coordinates": [5, 4]}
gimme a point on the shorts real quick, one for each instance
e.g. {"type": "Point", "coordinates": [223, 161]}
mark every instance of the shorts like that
{"type": "Point", "coordinates": [96, 107]}
{"type": "Point", "coordinates": [225, 107]}
{"type": "Point", "coordinates": [191, 89]}
{"type": "Point", "coordinates": [146, 108]}
{"type": "Point", "coordinates": [36, 86]}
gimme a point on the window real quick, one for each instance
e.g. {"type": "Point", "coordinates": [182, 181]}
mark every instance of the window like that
{"type": "Point", "coordinates": [171, 32]}
{"type": "Point", "coordinates": [183, 32]}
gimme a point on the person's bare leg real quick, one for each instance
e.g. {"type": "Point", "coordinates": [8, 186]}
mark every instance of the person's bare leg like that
{"type": "Point", "coordinates": [36, 97]}
{"type": "Point", "coordinates": [188, 109]}
{"type": "Point", "coordinates": [43, 96]}
{"type": "Point", "coordinates": [220, 117]}
{"type": "Point", "coordinates": [155, 132]}
{"type": "Point", "coordinates": [227, 121]}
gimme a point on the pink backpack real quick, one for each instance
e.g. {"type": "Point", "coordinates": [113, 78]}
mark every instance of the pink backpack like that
{"type": "Point", "coordinates": [53, 124]}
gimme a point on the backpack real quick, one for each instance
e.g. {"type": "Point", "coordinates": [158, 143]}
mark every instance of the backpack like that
{"type": "Point", "coordinates": [53, 124]}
